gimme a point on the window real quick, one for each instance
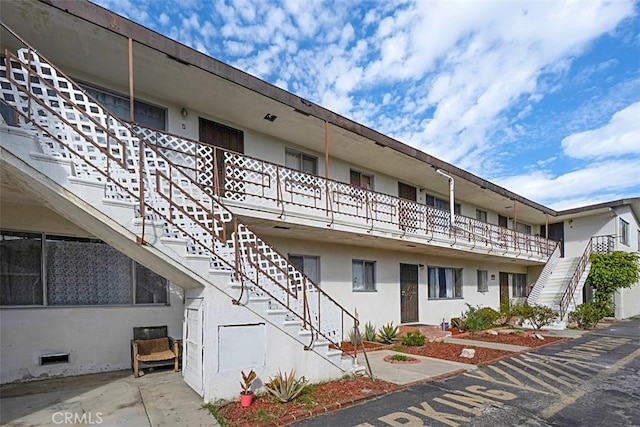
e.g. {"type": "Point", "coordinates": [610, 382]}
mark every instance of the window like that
{"type": "Point", "coordinates": [362, 180]}
{"type": "Point", "coordinates": [21, 269]}
{"type": "Point", "coordinates": [445, 283]}
{"type": "Point", "coordinates": [519, 285]}
{"type": "Point", "coordinates": [624, 232]}
{"type": "Point", "coordinates": [309, 265]}
{"type": "Point", "coordinates": [481, 215]}
{"type": "Point", "coordinates": [364, 276]}
{"type": "Point", "coordinates": [483, 281]}
{"type": "Point", "coordinates": [145, 114]}
{"type": "Point", "coordinates": [300, 161]}
{"type": "Point", "coordinates": [523, 228]}
{"type": "Point", "coordinates": [78, 272]}
{"type": "Point", "coordinates": [442, 204]}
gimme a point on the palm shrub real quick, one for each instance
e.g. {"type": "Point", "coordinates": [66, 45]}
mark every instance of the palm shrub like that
{"type": "Point", "coordinates": [388, 333]}
{"type": "Point", "coordinates": [414, 339]}
{"type": "Point", "coordinates": [587, 315]}
{"type": "Point", "coordinates": [369, 332]}
{"type": "Point", "coordinates": [286, 387]}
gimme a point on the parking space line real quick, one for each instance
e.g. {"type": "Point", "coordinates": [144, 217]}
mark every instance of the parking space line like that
{"type": "Point", "coordinates": [531, 377]}
{"type": "Point", "coordinates": [542, 372]}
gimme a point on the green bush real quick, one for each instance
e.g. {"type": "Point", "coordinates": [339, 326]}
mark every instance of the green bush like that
{"type": "Point", "coordinates": [400, 357]}
{"type": "Point", "coordinates": [369, 332]}
{"type": "Point", "coordinates": [477, 319]}
{"type": "Point", "coordinates": [388, 333]}
{"type": "Point", "coordinates": [414, 339]}
{"type": "Point", "coordinates": [537, 315]}
{"type": "Point", "coordinates": [489, 316]}
{"type": "Point", "coordinates": [587, 315]}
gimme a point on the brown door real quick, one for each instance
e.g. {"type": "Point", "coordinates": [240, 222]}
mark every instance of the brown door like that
{"type": "Point", "coordinates": [556, 232]}
{"type": "Point", "coordinates": [408, 293]}
{"type": "Point", "coordinates": [504, 289]}
{"type": "Point", "coordinates": [225, 137]}
{"type": "Point", "coordinates": [407, 212]}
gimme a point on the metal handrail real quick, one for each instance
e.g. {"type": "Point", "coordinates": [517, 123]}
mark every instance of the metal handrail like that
{"type": "Point", "coordinates": [306, 315]}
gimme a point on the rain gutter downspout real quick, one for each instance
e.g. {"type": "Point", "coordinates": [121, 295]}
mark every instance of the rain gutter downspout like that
{"type": "Point", "coordinates": [451, 197]}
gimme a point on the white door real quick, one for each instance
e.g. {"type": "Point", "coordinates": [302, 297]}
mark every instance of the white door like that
{"type": "Point", "coordinates": [192, 358]}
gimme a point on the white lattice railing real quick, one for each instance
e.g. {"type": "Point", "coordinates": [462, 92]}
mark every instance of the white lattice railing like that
{"type": "Point", "coordinates": [261, 183]}
{"type": "Point", "coordinates": [167, 178]}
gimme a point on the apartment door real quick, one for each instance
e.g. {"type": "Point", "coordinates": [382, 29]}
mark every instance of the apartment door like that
{"type": "Point", "coordinates": [556, 232]}
{"type": "Point", "coordinates": [192, 366]}
{"type": "Point", "coordinates": [407, 212]}
{"type": "Point", "coordinates": [504, 289]}
{"type": "Point", "coordinates": [408, 293]}
{"type": "Point", "coordinates": [225, 137]}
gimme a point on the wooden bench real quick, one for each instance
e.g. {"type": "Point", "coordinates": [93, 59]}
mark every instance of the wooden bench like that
{"type": "Point", "coordinates": [152, 347]}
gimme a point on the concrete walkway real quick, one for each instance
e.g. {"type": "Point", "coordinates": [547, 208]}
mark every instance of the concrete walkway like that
{"type": "Point", "coordinates": [401, 373]}
{"type": "Point", "coordinates": [159, 398]}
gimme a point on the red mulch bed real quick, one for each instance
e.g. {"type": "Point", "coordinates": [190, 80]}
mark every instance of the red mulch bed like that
{"type": "Point", "coordinates": [524, 339]}
{"type": "Point", "coordinates": [455, 331]}
{"type": "Point", "coordinates": [266, 409]}
{"type": "Point", "coordinates": [448, 351]}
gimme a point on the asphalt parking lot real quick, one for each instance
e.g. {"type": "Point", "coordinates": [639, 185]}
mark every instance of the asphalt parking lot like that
{"type": "Point", "coordinates": [590, 381]}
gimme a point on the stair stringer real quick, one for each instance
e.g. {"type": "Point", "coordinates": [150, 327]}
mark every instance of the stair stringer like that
{"type": "Point", "coordinates": [98, 220]}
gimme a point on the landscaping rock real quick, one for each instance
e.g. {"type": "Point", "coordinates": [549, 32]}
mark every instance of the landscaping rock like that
{"type": "Point", "coordinates": [492, 332]}
{"type": "Point", "coordinates": [468, 353]}
{"type": "Point", "coordinates": [538, 336]}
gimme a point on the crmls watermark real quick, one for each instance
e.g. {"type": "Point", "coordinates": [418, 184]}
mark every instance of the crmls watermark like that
{"type": "Point", "coordinates": [76, 418]}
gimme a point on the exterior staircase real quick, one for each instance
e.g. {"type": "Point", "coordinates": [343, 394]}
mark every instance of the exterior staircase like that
{"type": "Point", "coordinates": [155, 200]}
{"type": "Point", "coordinates": [560, 283]}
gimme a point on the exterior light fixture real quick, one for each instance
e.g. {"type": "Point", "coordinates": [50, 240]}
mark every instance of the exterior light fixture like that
{"type": "Point", "coordinates": [270, 117]}
{"type": "Point", "coordinates": [184, 113]}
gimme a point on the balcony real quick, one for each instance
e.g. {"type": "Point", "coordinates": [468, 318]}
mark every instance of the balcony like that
{"type": "Point", "coordinates": [253, 182]}
{"type": "Point", "coordinates": [292, 196]}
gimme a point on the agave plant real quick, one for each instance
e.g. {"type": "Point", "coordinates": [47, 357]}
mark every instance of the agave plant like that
{"type": "Point", "coordinates": [388, 333]}
{"type": "Point", "coordinates": [369, 332]}
{"type": "Point", "coordinates": [286, 387]}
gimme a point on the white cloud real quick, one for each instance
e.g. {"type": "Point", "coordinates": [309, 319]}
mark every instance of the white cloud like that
{"type": "Point", "coordinates": [619, 137]}
{"type": "Point", "coordinates": [597, 178]}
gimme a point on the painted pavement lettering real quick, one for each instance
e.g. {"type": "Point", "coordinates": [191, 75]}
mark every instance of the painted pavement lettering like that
{"type": "Point", "coordinates": [561, 378]}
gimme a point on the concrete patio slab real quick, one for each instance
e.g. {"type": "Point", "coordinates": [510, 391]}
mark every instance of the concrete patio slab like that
{"type": "Point", "coordinates": [159, 398]}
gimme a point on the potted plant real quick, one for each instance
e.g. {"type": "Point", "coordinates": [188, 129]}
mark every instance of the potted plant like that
{"type": "Point", "coordinates": [246, 395]}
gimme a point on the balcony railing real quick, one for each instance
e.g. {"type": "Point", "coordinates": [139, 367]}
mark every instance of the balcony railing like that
{"type": "Point", "coordinates": [260, 183]}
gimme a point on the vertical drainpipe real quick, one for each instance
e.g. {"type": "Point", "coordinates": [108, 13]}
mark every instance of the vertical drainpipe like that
{"type": "Point", "coordinates": [131, 103]}
{"type": "Point", "coordinates": [546, 228]}
{"type": "Point", "coordinates": [326, 164]}
{"type": "Point", "coordinates": [451, 198]}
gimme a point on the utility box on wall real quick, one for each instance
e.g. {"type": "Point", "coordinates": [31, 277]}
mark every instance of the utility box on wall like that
{"type": "Point", "coordinates": [242, 347]}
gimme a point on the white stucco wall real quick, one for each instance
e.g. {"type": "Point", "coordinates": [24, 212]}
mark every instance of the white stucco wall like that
{"type": "Point", "coordinates": [578, 231]}
{"type": "Point", "coordinates": [383, 305]}
{"type": "Point", "coordinates": [96, 338]}
{"type": "Point", "coordinates": [266, 353]}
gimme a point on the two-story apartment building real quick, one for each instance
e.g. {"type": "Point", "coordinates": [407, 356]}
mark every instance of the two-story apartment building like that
{"type": "Point", "coordinates": [144, 183]}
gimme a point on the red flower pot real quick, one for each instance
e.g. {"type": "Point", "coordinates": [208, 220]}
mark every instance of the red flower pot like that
{"type": "Point", "coordinates": [246, 399]}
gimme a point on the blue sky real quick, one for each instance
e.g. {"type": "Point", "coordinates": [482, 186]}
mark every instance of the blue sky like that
{"type": "Point", "coordinates": [541, 97]}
